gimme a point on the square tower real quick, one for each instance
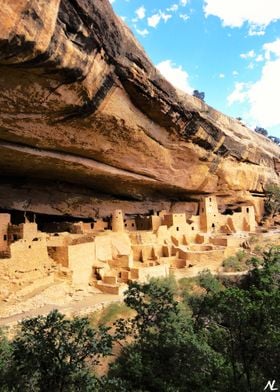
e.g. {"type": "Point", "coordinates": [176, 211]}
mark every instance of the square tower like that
{"type": "Point", "coordinates": [209, 214]}
{"type": "Point", "coordinates": [5, 220]}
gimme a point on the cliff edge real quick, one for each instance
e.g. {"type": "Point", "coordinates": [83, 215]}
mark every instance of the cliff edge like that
{"type": "Point", "coordinates": [84, 115]}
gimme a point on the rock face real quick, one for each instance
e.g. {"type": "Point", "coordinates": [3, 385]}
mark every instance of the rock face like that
{"type": "Point", "coordinates": [82, 105]}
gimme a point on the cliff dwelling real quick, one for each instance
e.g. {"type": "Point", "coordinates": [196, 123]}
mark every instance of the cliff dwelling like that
{"type": "Point", "coordinates": [109, 174]}
{"type": "Point", "coordinates": [110, 252]}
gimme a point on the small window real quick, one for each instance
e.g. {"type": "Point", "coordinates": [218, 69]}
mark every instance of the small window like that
{"type": "Point", "coordinates": [213, 225]}
{"type": "Point", "coordinates": [202, 209]}
{"type": "Point", "coordinates": [247, 209]}
{"type": "Point", "coordinates": [177, 228]}
{"type": "Point", "coordinates": [29, 246]}
{"type": "Point", "coordinates": [125, 225]}
{"type": "Point", "coordinates": [92, 225]}
{"type": "Point", "coordinates": [210, 199]}
{"type": "Point", "coordinates": [192, 228]}
{"type": "Point", "coordinates": [132, 225]}
{"type": "Point", "coordinates": [5, 237]}
{"type": "Point", "coordinates": [15, 237]}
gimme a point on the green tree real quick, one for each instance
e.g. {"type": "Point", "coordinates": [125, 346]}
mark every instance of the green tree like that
{"type": "Point", "coordinates": [165, 354]}
{"type": "Point", "coordinates": [5, 361]}
{"type": "Point", "coordinates": [272, 202]}
{"type": "Point", "coordinates": [54, 353]}
{"type": "Point", "coordinates": [243, 325]}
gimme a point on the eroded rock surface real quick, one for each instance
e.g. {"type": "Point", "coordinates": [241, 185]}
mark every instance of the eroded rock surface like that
{"type": "Point", "coordinates": [80, 103]}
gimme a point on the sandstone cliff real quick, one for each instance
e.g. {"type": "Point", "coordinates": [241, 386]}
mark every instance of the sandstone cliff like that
{"type": "Point", "coordinates": [85, 117]}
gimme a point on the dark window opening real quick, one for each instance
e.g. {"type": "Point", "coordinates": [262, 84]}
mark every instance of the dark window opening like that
{"type": "Point", "coordinates": [177, 228]}
{"type": "Point", "coordinates": [35, 239]}
{"type": "Point", "coordinates": [92, 225]}
{"type": "Point", "coordinates": [247, 209]}
{"type": "Point", "coordinates": [133, 225]}
{"type": "Point", "coordinates": [213, 225]}
{"type": "Point", "coordinates": [192, 228]}
{"type": "Point", "coordinates": [15, 237]}
{"type": "Point", "coordinates": [5, 237]}
{"type": "Point", "coordinates": [125, 225]}
{"type": "Point", "coordinates": [29, 247]}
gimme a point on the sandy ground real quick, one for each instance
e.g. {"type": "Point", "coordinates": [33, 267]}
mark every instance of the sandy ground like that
{"type": "Point", "coordinates": [70, 301]}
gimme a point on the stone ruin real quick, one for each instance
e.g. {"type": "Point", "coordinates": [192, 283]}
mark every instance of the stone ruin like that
{"type": "Point", "coordinates": [109, 253]}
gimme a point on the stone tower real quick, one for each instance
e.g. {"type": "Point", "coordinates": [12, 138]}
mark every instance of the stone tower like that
{"type": "Point", "coordinates": [209, 214]}
{"type": "Point", "coordinates": [117, 221]}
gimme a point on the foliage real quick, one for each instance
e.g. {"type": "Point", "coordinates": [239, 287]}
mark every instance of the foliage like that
{"type": "Point", "coordinates": [261, 131]}
{"type": "Point", "coordinates": [220, 339]}
{"type": "Point", "coordinates": [5, 359]}
{"type": "Point", "coordinates": [272, 202]}
{"type": "Point", "coordinates": [199, 94]}
{"type": "Point", "coordinates": [110, 314]}
{"type": "Point", "coordinates": [236, 263]}
{"type": "Point", "coordinates": [243, 325]}
{"type": "Point", "coordinates": [274, 139]}
{"type": "Point", "coordinates": [53, 353]}
{"type": "Point", "coordinates": [209, 282]}
{"type": "Point", "coordinates": [231, 264]}
{"type": "Point", "coordinates": [166, 354]}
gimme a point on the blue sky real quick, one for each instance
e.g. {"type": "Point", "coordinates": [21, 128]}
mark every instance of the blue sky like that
{"type": "Point", "coordinates": [230, 49]}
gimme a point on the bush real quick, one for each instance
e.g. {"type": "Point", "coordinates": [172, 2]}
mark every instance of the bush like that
{"type": "Point", "coordinates": [52, 353]}
{"type": "Point", "coordinates": [232, 264]}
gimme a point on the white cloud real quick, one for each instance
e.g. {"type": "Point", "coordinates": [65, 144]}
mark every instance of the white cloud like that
{"type": "Point", "coordinates": [174, 8]}
{"type": "Point", "coordinates": [143, 32]}
{"type": "Point", "coordinates": [165, 17]}
{"type": "Point", "coordinates": [111, 1]}
{"type": "Point", "coordinates": [272, 48]}
{"type": "Point", "coordinates": [175, 75]}
{"type": "Point", "coordinates": [234, 13]}
{"type": "Point", "coordinates": [184, 17]}
{"type": "Point", "coordinates": [141, 12]}
{"type": "Point", "coordinates": [221, 75]}
{"type": "Point", "coordinates": [249, 55]}
{"type": "Point", "coordinates": [263, 95]}
{"type": "Point", "coordinates": [239, 93]}
{"type": "Point", "coordinates": [259, 58]}
{"type": "Point", "coordinates": [183, 2]}
{"type": "Point", "coordinates": [154, 20]}
{"type": "Point", "coordinates": [235, 73]}
{"type": "Point", "coordinates": [256, 30]}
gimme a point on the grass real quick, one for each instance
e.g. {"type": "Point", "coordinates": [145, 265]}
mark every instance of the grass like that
{"type": "Point", "coordinates": [110, 314]}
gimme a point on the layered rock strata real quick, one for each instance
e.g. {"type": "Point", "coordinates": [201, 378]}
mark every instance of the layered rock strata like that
{"type": "Point", "coordinates": [81, 104]}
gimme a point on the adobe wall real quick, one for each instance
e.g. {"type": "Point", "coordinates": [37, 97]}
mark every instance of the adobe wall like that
{"type": "Point", "coordinates": [4, 223]}
{"type": "Point", "coordinates": [130, 224]}
{"type": "Point", "coordinates": [144, 274]}
{"type": "Point", "coordinates": [210, 256]}
{"type": "Point", "coordinates": [59, 254]}
{"type": "Point", "coordinates": [81, 258]}
{"type": "Point", "coordinates": [103, 248]}
{"type": "Point", "coordinates": [29, 230]}
{"type": "Point", "coordinates": [24, 251]}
